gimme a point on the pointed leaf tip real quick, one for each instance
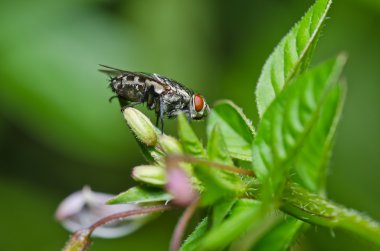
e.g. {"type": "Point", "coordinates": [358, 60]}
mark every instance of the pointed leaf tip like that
{"type": "Point", "coordinates": [292, 56]}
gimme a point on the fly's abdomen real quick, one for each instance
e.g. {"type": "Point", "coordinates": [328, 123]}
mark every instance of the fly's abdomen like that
{"type": "Point", "coordinates": [128, 87]}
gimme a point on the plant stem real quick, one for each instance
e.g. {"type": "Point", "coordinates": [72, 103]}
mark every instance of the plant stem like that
{"type": "Point", "coordinates": [181, 226]}
{"type": "Point", "coordinates": [174, 159]}
{"type": "Point", "coordinates": [80, 240]}
{"type": "Point", "coordinates": [317, 210]}
{"type": "Point", "coordinates": [125, 214]}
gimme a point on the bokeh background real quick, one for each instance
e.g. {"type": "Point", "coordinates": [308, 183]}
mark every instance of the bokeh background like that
{"type": "Point", "coordinates": [58, 132]}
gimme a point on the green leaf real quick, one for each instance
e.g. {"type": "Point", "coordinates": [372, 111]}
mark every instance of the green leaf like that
{"type": "Point", "coordinates": [243, 215]}
{"type": "Point", "coordinates": [287, 123]}
{"type": "Point", "coordinates": [220, 211]}
{"type": "Point", "coordinates": [192, 242]}
{"type": "Point", "coordinates": [237, 130]}
{"type": "Point", "coordinates": [140, 195]}
{"type": "Point", "coordinates": [152, 154]}
{"type": "Point", "coordinates": [280, 236]}
{"type": "Point", "coordinates": [217, 148]}
{"type": "Point", "coordinates": [292, 55]}
{"type": "Point", "coordinates": [190, 142]}
{"type": "Point", "coordinates": [312, 159]}
{"type": "Point", "coordinates": [217, 183]}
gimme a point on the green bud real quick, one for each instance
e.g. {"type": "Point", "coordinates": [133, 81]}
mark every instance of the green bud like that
{"type": "Point", "coordinates": [152, 175]}
{"type": "Point", "coordinates": [140, 126]}
{"type": "Point", "coordinates": [170, 145]}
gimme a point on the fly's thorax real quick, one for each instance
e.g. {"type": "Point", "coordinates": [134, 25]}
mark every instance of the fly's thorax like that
{"type": "Point", "coordinates": [198, 107]}
{"type": "Point", "coordinates": [176, 100]}
{"type": "Point", "coordinates": [157, 87]}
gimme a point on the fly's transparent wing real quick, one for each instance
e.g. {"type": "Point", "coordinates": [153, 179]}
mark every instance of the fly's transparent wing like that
{"type": "Point", "coordinates": [113, 72]}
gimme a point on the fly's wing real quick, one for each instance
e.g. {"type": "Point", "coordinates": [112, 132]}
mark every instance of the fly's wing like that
{"type": "Point", "coordinates": [165, 82]}
{"type": "Point", "coordinates": [173, 83]}
{"type": "Point", "coordinates": [114, 72]}
{"type": "Point", "coordinates": [111, 71]}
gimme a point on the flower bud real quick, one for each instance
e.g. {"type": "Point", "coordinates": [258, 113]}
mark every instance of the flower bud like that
{"type": "Point", "coordinates": [83, 208]}
{"type": "Point", "coordinates": [140, 126]}
{"type": "Point", "coordinates": [170, 145]}
{"type": "Point", "coordinates": [151, 175]}
{"type": "Point", "coordinates": [179, 185]}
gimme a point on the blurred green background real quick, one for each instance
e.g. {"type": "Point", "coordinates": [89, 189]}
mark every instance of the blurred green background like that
{"type": "Point", "coordinates": [58, 132]}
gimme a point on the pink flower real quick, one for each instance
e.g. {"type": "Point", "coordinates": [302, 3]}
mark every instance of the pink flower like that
{"type": "Point", "coordinates": [179, 185]}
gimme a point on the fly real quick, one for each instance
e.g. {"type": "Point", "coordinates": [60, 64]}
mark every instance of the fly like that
{"type": "Point", "coordinates": [165, 96]}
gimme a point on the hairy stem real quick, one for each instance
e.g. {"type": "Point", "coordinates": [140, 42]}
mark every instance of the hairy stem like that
{"type": "Point", "coordinates": [181, 226]}
{"type": "Point", "coordinates": [317, 210]}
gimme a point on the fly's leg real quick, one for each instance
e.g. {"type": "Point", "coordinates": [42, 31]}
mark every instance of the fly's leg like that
{"type": "Point", "coordinates": [157, 119]}
{"type": "Point", "coordinates": [188, 115]}
{"type": "Point", "coordinates": [132, 104]}
{"type": "Point", "coordinates": [150, 97]}
{"type": "Point", "coordinates": [122, 103]}
{"type": "Point", "coordinates": [112, 98]}
{"type": "Point", "coordinates": [162, 114]}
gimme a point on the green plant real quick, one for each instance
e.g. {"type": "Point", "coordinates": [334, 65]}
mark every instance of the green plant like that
{"type": "Point", "coordinates": [250, 180]}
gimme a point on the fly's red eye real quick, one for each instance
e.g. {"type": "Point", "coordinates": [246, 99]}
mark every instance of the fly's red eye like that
{"type": "Point", "coordinates": [198, 102]}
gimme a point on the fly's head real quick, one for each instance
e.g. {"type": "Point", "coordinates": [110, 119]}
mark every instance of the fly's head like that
{"type": "Point", "coordinates": [198, 107]}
